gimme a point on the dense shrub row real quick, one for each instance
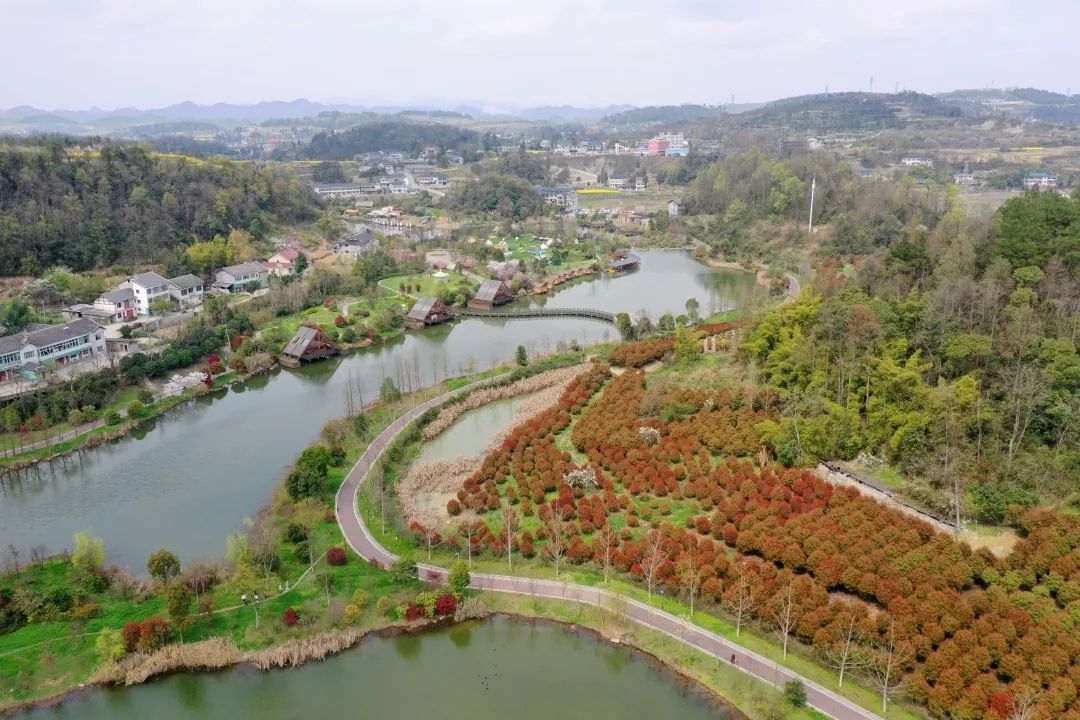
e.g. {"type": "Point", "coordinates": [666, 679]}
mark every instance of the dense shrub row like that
{"type": "Point", "coordinates": [642, 352]}
{"type": "Point", "coordinates": [965, 630]}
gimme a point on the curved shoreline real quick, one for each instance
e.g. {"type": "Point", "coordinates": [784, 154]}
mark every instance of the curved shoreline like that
{"type": "Point", "coordinates": [360, 539]}
{"type": "Point", "coordinates": [704, 693]}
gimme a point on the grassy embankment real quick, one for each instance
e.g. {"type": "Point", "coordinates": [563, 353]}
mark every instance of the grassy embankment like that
{"type": "Point", "coordinates": [121, 401]}
{"type": "Point", "coordinates": [44, 658]}
{"type": "Point", "coordinates": [286, 326]}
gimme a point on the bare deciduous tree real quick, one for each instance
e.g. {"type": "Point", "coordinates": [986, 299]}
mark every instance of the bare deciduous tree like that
{"type": "Point", "coordinates": [38, 553]}
{"type": "Point", "coordinates": [200, 577]}
{"type": "Point", "coordinates": [1025, 703]}
{"type": "Point", "coordinates": [690, 575]}
{"type": "Point", "coordinates": [845, 655]}
{"type": "Point", "coordinates": [741, 598]}
{"type": "Point", "coordinates": [469, 531]}
{"type": "Point", "coordinates": [653, 558]}
{"type": "Point", "coordinates": [606, 540]}
{"type": "Point", "coordinates": [511, 523]}
{"type": "Point", "coordinates": [1026, 386]}
{"type": "Point", "coordinates": [556, 531]}
{"type": "Point", "coordinates": [428, 527]}
{"type": "Point", "coordinates": [785, 613]}
{"type": "Point", "coordinates": [14, 553]}
{"type": "Point", "coordinates": [887, 666]}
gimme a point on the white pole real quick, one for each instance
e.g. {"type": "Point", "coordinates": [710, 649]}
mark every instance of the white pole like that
{"type": "Point", "coordinates": [810, 222]}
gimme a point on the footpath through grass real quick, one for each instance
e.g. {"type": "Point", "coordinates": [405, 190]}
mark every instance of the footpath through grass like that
{"type": "Point", "coordinates": [54, 650]}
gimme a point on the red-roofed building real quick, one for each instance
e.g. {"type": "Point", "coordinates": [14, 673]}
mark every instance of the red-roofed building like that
{"type": "Point", "coordinates": [282, 262]}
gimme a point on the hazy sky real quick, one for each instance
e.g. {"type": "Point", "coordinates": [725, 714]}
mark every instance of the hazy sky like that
{"type": "Point", "coordinates": [109, 53]}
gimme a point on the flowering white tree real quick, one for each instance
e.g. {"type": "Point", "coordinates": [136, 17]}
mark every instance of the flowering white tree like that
{"type": "Point", "coordinates": [581, 478]}
{"type": "Point", "coordinates": [650, 435]}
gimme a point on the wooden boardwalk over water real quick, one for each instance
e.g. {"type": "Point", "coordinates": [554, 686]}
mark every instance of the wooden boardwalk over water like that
{"type": "Point", "coordinates": [539, 312]}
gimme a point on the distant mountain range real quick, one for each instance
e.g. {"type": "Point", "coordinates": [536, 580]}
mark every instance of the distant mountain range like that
{"type": "Point", "coordinates": [258, 112]}
{"type": "Point", "coordinates": [841, 110]}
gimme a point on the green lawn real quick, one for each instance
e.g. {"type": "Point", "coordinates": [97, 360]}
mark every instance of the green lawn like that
{"type": "Point", "coordinates": [46, 657]}
{"type": "Point", "coordinates": [429, 285]}
{"type": "Point", "coordinates": [647, 201]}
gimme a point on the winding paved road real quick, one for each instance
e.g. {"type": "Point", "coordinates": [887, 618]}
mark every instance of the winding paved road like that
{"type": "Point", "coordinates": [364, 543]}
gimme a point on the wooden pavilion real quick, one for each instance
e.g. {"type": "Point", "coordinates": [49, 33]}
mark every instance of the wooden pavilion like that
{"type": "Point", "coordinates": [309, 343]}
{"type": "Point", "coordinates": [490, 294]}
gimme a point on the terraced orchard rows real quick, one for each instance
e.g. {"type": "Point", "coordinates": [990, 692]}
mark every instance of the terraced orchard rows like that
{"type": "Point", "coordinates": [679, 505]}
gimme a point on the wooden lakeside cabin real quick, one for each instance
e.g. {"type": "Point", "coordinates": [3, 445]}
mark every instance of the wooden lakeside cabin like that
{"type": "Point", "coordinates": [428, 311]}
{"type": "Point", "coordinates": [623, 261]}
{"type": "Point", "coordinates": [491, 294]}
{"type": "Point", "coordinates": [309, 343]}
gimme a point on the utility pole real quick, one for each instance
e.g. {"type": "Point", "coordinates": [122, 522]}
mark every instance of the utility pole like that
{"type": "Point", "coordinates": [810, 222]}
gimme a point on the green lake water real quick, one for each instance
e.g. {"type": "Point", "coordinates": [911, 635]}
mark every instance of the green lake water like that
{"type": "Point", "coordinates": [493, 670]}
{"type": "Point", "coordinates": [472, 432]}
{"type": "Point", "coordinates": [189, 478]}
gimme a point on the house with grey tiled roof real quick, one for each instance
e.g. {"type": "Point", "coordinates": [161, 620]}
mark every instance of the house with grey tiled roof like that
{"type": "Point", "coordinates": [147, 287]}
{"type": "Point", "coordinates": [39, 344]}
{"type": "Point", "coordinates": [186, 290]}
{"type": "Point", "coordinates": [236, 278]}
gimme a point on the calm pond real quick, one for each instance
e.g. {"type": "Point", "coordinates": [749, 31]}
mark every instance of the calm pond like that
{"type": "Point", "coordinates": [473, 431]}
{"type": "Point", "coordinates": [483, 671]}
{"type": "Point", "coordinates": [188, 480]}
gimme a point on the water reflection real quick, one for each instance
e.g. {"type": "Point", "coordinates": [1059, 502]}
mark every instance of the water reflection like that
{"type": "Point", "coordinates": [496, 674]}
{"type": "Point", "coordinates": [189, 478]}
{"type": "Point", "coordinates": [407, 646]}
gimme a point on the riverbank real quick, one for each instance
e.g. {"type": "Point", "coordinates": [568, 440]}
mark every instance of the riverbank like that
{"type": "Point", "coordinates": [55, 651]}
{"type": "Point", "coordinates": [521, 640]}
{"type": "Point", "coordinates": [101, 431]}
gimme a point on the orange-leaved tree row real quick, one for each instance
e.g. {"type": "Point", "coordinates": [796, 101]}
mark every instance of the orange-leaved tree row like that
{"type": "Point", "coordinates": [868, 589]}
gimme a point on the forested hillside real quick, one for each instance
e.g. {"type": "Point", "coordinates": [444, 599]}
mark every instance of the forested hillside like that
{"type": "Point", "coordinates": [848, 111]}
{"type": "Point", "coordinates": [950, 352]}
{"type": "Point", "coordinates": [656, 114]}
{"type": "Point", "coordinates": [397, 136]}
{"type": "Point", "coordinates": [507, 197]}
{"type": "Point", "coordinates": [82, 208]}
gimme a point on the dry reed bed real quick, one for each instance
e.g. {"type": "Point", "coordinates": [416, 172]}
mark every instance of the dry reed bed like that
{"type": "Point", "coordinates": [304, 650]}
{"type": "Point", "coordinates": [437, 476]}
{"type": "Point", "coordinates": [527, 386]}
{"type": "Point", "coordinates": [213, 654]}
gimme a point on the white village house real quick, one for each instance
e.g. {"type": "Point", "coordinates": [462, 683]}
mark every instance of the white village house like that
{"type": "Point", "coordinates": [114, 306]}
{"type": "Point", "coordinates": [38, 344]}
{"type": "Point", "coordinates": [147, 286]}
{"type": "Point", "coordinates": [132, 298]}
